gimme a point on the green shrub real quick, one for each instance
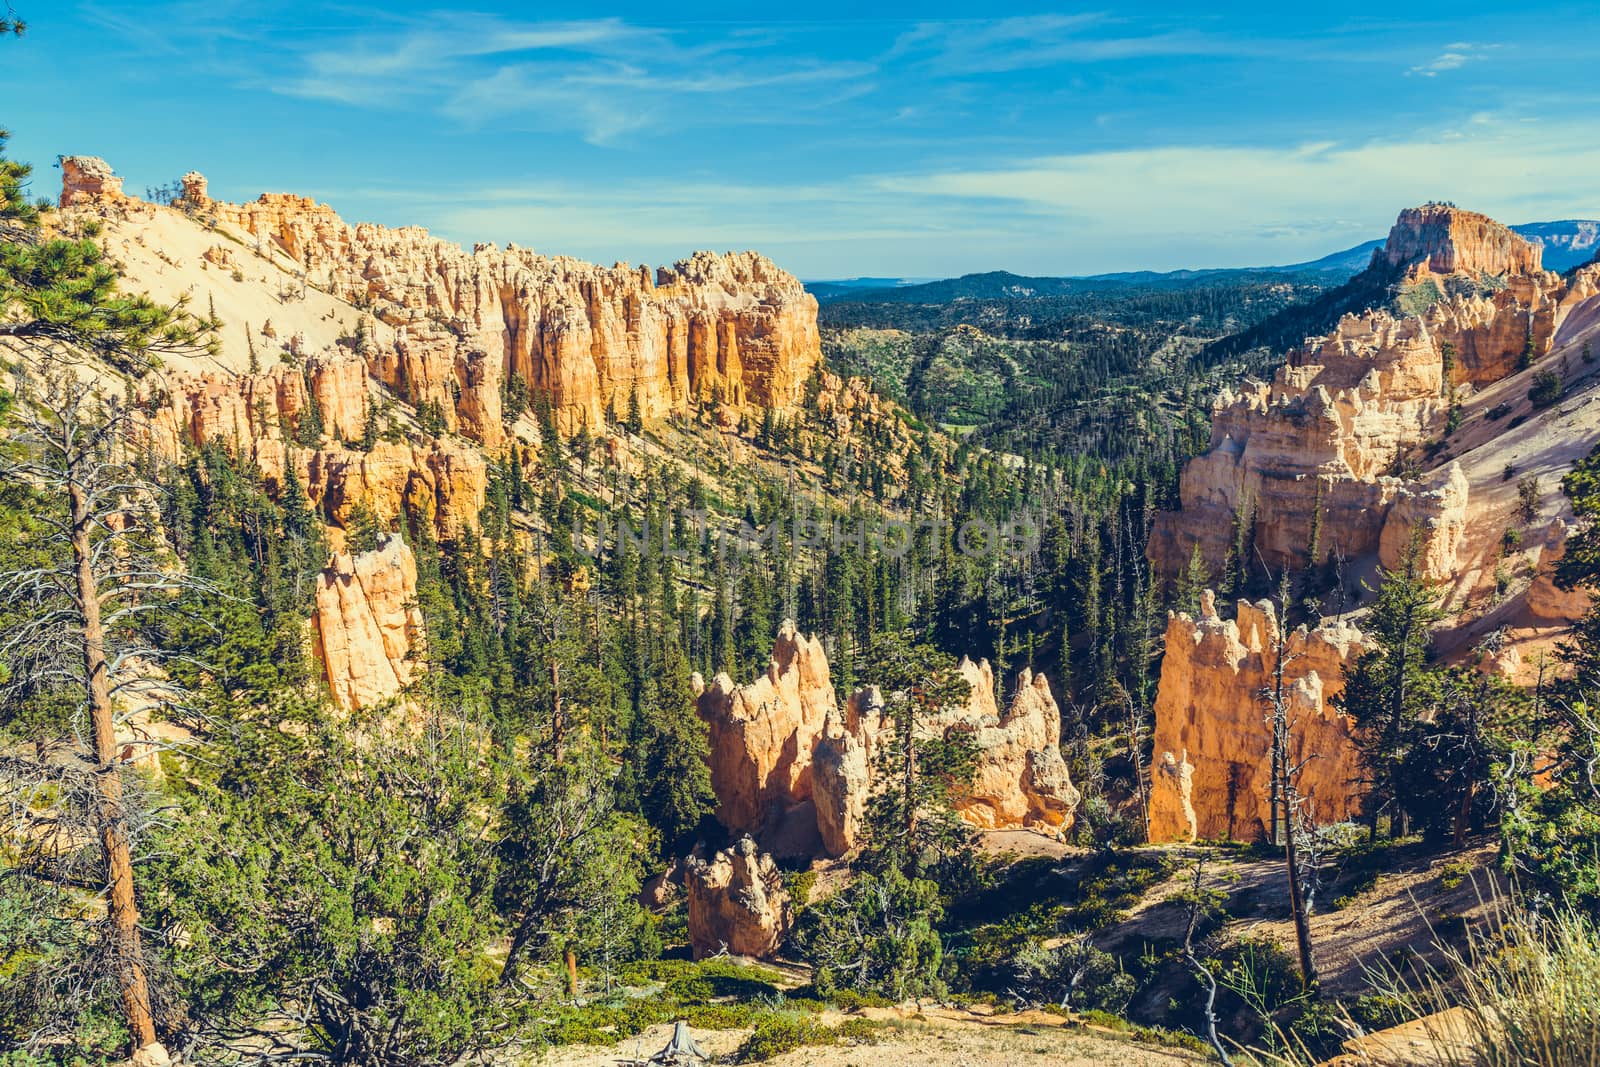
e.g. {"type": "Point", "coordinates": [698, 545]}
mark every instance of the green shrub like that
{"type": "Point", "coordinates": [1144, 1035]}
{"type": "Point", "coordinates": [776, 1034]}
{"type": "Point", "coordinates": [1071, 975]}
{"type": "Point", "coordinates": [1546, 390]}
{"type": "Point", "coordinates": [1451, 875]}
{"type": "Point", "coordinates": [858, 1032]}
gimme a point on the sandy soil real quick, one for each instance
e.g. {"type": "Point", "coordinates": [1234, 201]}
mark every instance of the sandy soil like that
{"type": "Point", "coordinates": [1397, 916]}
{"type": "Point", "coordinates": [933, 1038]}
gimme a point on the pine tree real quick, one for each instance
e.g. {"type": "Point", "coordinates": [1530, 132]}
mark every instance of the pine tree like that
{"type": "Point", "coordinates": [912, 819]}
{"type": "Point", "coordinates": [60, 308]}
{"type": "Point", "coordinates": [1192, 581]}
{"type": "Point", "coordinates": [1391, 687]}
{"type": "Point", "coordinates": [308, 428]}
{"type": "Point", "coordinates": [635, 418]}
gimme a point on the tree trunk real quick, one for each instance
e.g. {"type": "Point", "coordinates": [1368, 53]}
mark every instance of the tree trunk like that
{"type": "Point", "coordinates": [1297, 906]}
{"type": "Point", "coordinates": [910, 780]}
{"type": "Point", "coordinates": [122, 907]}
{"type": "Point", "coordinates": [571, 959]}
{"type": "Point", "coordinates": [558, 726]}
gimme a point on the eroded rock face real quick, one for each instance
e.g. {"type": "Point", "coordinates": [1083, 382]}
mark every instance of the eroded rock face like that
{"type": "Point", "coordinates": [1433, 516]}
{"type": "Point", "coordinates": [841, 773]}
{"type": "Point", "coordinates": [737, 903]}
{"type": "Point", "coordinates": [733, 327]}
{"type": "Point", "coordinates": [781, 749]}
{"type": "Point", "coordinates": [88, 180]}
{"type": "Point", "coordinates": [1213, 735]}
{"type": "Point", "coordinates": [367, 629]}
{"type": "Point", "coordinates": [763, 734]}
{"type": "Point", "coordinates": [1020, 779]}
{"type": "Point", "coordinates": [1446, 239]}
{"type": "Point", "coordinates": [1308, 458]}
{"type": "Point", "coordinates": [442, 481]}
{"type": "Point", "coordinates": [1545, 600]}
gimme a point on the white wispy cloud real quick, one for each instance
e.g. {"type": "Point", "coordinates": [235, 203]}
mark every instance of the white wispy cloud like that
{"type": "Point", "coordinates": [1453, 57]}
{"type": "Point", "coordinates": [1160, 208]}
{"type": "Point", "coordinates": [1003, 45]}
{"type": "Point", "coordinates": [600, 78]}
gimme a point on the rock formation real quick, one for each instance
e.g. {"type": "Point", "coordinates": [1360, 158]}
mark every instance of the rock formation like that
{"type": "Point", "coordinates": [1213, 735]}
{"type": "Point", "coordinates": [763, 734]}
{"type": "Point", "coordinates": [1433, 516]}
{"type": "Point", "coordinates": [441, 481]}
{"type": "Point", "coordinates": [1309, 459]}
{"type": "Point", "coordinates": [737, 903]}
{"type": "Point", "coordinates": [367, 629]}
{"type": "Point", "coordinates": [436, 325]}
{"type": "Point", "coordinates": [1545, 600]}
{"type": "Point", "coordinates": [730, 328]}
{"type": "Point", "coordinates": [394, 323]}
{"type": "Point", "coordinates": [841, 773]}
{"type": "Point", "coordinates": [1444, 239]}
{"type": "Point", "coordinates": [1020, 779]}
{"type": "Point", "coordinates": [88, 180]}
{"type": "Point", "coordinates": [194, 189]}
{"type": "Point", "coordinates": [783, 751]}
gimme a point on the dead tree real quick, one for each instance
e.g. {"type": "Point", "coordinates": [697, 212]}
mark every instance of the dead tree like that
{"type": "Point", "coordinates": [99, 564]}
{"type": "Point", "coordinates": [1200, 903]}
{"type": "Point", "coordinates": [1285, 776]}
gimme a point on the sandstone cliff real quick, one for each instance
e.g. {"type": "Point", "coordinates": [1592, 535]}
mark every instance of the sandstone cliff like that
{"type": "Point", "coordinates": [343, 349]}
{"type": "Point", "coordinates": [366, 629]}
{"type": "Point", "coordinates": [1445, 239]}
{"type": "Point", "coordinates": [732, 328]}
{"type": "Point", "coordinates": [1310, 460]}
{"type": "Point", "coordinates": [350, 318]}
{"type": "Point", "coordinates": [1213, 738]}
{"type": "Point", "coordinates": [440, 481]}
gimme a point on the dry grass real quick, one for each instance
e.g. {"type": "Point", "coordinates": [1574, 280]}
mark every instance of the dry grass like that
{"type": "Point", "coordinates": [1522, 991]}
{"type": "Point", "coordinates": [1527, 992]}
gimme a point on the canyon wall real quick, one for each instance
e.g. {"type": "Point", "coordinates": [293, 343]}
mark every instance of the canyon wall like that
{"type": "Point", "coordinates": [788, 764]}
{"type": "Point", "coordinates": [732, 327]}
{"type": "Point", "coordinates": [1310, 459]}
{"type": "Point", "coordinates": [366, 314]}
{"type": "Point", "coordinates": [440, 481]}
{"type": "Point", "coordinates": [1212, 771]}
{"type": "Point", "coordinates": [1351, 453]}
{"type": "Point", "coordinates": [370, 366]}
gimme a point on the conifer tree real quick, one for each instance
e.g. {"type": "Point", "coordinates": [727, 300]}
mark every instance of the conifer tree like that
{"type": "Point", "coordinates": [1194, 579]}
{"type": "Point", "coordinates": [635, 418]}
{"type": "Point", "coordinates": [1391, 686]}
{"type": "Point", "coordinates": [103, 562]}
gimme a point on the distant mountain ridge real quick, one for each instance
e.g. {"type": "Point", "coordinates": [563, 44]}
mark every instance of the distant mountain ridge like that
{"type": "Point", "coordinates": [1566, 244]}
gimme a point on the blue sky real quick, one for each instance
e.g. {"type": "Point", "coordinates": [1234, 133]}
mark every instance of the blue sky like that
{"type": "Point", "coordinates": [1044, 140]}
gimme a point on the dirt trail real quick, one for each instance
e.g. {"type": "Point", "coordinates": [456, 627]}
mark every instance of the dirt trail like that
{"type": "Point", "coordinates": [934, 1037]}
